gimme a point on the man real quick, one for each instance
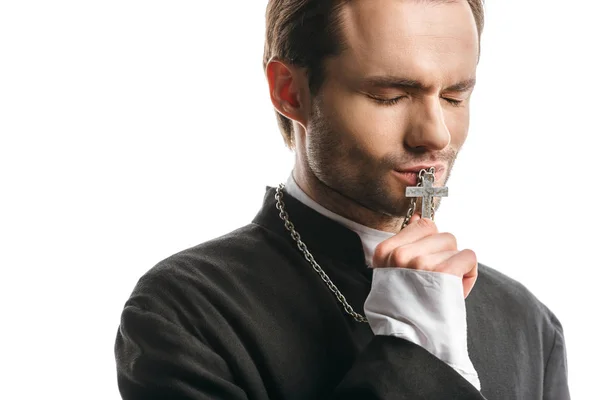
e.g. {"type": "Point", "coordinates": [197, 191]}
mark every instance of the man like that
{"type": "Point", "coordinates": [338, 289]}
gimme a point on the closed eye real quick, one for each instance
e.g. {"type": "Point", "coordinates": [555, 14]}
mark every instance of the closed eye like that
{"type": "Point", "coordinates": [453, 102]}
{"type": "Point", "coordinates": [388, 102]}
{"type": "Point", "coordinates": [395, 100]}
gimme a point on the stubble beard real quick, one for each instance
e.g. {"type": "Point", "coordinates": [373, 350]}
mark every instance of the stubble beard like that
{"type": "Point", "coordinates": [348, 170]}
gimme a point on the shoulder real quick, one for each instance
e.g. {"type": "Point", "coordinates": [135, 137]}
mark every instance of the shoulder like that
{"type": "Point", "coordinates": [497, 291]}
{"type": "Point", "coordinates": [210, 273]}
{"type": "Point", "coordinates": [223, 252]}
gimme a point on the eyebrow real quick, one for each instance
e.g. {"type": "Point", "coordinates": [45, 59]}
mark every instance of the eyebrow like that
{"type": "Point", "coordinates": [385, 82]}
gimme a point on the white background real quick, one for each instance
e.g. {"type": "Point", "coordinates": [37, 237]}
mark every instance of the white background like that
{"type": "Point", "coordinates": [131, 130]}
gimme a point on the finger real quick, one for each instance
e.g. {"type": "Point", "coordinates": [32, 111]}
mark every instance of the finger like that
{"type": "Point", "coordinates": [415, 231]}
{"type": "Point", "coordinates": [430, 262]}
{"type": "Point", "coordinates": [404, 255]}
{"type": "Point", "coordinates": [464, 265]}
{"type": "Point", "coordinates": [415, 217]}
{"type": "Point", "coordinates": [461, 264]}
{"type": "Point", "coordinates": [469, 283]}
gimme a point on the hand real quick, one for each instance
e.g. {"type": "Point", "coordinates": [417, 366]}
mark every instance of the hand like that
{"type": "Point", "coordinates": [420, 246]}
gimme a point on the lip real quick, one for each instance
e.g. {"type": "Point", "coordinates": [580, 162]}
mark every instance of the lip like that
{"type": "Point", "coordinates": [410, 175]}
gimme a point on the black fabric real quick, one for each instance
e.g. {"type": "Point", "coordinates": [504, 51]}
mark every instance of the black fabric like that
{"type": "Point", "coordinates": [244, 316]}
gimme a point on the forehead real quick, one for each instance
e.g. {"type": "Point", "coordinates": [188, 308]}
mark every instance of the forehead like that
{"type": "Point", "coordinates": [425, 38]}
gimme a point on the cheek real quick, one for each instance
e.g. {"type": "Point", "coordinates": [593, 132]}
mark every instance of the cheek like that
{"type": "Point", "coordinates": [373, 128]}
{"type": "Point", "coordinates": [458, 126]}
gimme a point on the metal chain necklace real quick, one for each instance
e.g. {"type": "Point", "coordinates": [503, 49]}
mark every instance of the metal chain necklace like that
{"type": "Point", "coordinates": [280, 205]}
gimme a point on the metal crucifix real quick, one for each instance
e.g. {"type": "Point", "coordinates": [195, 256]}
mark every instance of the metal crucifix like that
{"type": "Point", "coordinates": [427, 191]}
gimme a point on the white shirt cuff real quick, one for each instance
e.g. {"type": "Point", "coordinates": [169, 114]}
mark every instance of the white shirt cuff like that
{"type": "Point", "coordinates": [426, 308]}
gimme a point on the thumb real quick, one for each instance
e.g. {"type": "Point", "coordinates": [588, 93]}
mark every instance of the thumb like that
{"type": "Point", "coordinates": [416, 216]}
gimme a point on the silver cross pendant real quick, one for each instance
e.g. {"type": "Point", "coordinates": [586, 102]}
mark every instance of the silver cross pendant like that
{"type": "Point", "coordinates": [427, 191]}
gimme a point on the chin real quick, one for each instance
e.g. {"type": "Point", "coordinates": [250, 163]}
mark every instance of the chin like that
{"type": "Point", "coordinates": [393, 204]}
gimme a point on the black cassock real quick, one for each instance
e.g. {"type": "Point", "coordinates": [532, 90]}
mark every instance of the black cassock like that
{"type": "Point", "coordinates": [245, 316]}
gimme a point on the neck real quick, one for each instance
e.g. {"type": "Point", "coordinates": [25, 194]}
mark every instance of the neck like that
{"type": "Point", "coordinates": [342, 205]}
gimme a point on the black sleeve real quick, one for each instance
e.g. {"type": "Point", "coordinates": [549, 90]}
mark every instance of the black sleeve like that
{"type": "Point", "coordinates": [157, 359]}
{"type": "Point", "coordinates": [394, 368]}
{"type": "Point", "coordinates": [556, 385]}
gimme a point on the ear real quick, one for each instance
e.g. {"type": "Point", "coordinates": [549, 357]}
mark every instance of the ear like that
{"type": "Point", "coordinates": [288, 86]}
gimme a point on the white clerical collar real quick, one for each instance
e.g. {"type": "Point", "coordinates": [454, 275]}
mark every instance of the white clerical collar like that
{"type": "Point", "coordinates": [369, 237]}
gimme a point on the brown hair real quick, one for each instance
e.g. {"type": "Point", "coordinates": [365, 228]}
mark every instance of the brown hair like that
{"type": "Point", "coordinates": [305, 32]}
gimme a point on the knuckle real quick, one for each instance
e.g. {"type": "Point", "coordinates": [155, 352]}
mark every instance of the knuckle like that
{"type": "Point", "coordinates": [379, 255]}
{"type": "Point", "coordinates": [400, 257]}
{"type": "Point", "coordinates": [470, 255]}
{"type": "Point", "coordinates": [450, 239]}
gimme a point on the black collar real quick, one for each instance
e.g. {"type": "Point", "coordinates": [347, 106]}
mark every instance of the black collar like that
{"type": "Point", "coordinates": [321, 234]}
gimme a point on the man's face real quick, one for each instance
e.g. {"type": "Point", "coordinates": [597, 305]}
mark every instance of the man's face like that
{"type": "Point", "coordinates": [395, 99]}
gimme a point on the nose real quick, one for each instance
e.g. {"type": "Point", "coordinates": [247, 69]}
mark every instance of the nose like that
{"type": "Point", "coordinates": [427, 129]}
